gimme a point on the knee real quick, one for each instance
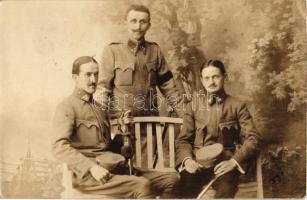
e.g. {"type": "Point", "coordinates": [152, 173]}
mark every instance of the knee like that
{"type": "Point", "coordinates": [144, 188]}
{"type": "Point", "coordinates": [144, 183]}
{"type": "Point", "coordinates": [226, 190]}
{"type": "Point", "coordinates": [227, 185]}
{"type": "Point", "coordinates": [187, 179]}
{"type": "Point", "coordinates": [172, 179]}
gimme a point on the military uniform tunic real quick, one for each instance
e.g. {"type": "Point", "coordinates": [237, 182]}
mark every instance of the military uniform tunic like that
{"type": "Point", "coordinates": [130, 73]}
{"type": "Point", "coordinates": [222, 119]}
{"type": "Point", "coordinates": [227, 121]}
{"type": "Point", "coordinates": [80, 133]}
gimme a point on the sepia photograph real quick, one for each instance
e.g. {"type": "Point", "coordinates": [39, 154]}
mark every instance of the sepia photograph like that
{"type": "Point", "coordinates": [153, 99]}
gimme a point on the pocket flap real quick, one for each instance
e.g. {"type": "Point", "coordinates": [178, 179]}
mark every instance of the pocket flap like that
{"type": "Point", "coordinates": [124, 66]}
{"type": "Point", "coordinates": [228, 125]}
{"type": "Point", "coordinates": [151, 66]}
{"type": "Point", "coordinates": [86, 123]}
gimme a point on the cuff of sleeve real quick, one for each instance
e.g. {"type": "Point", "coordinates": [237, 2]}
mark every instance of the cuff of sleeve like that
{"type": "Point", "coordinates": [240, 169]}
{"type": "Point", "coordinates": [82, 169]}
{"type": "Point", "coordinates": [182, 167]}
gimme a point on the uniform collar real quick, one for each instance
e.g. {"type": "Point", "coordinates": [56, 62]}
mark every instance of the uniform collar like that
{"type": "Point", "coordinates": [81, 94]}
{"type": "Point", "coordinates": [136, 46]}
{"type": "Point", "coordinates": [217, 97]}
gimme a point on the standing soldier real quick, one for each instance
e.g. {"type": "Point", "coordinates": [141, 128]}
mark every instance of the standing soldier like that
{"type": "Point", "coordinates": [131, 71]}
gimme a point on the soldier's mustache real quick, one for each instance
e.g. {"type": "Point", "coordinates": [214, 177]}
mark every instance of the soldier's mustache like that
{"type": "Point", "coordinates": [93, 84]}
{"type": "Point", "coordinates": [213, 85]}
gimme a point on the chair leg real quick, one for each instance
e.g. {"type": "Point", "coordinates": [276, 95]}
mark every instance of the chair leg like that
{"type": "Point", "coordinates": [67, 182]}
{"type": "Point", "coordinates": [259, 178]}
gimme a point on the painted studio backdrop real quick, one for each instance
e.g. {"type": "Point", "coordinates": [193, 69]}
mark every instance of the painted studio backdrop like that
{"type": "Point", "coordinates": [262, 43]}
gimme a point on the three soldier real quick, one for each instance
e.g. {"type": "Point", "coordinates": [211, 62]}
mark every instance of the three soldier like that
{"type": "Point", "coordinates": [127, 80]}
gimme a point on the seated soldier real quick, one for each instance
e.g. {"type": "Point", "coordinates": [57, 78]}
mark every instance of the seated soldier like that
{"type": "Point", "coordinates": [81, 134]}
{"type": "Point", "coordinates": [215, 118]}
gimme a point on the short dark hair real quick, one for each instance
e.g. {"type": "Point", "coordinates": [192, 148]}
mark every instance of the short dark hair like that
{"type": "Point", "coordinates": [214, 63]}
{"type": "Point", "coordinates": [80, 61]}
{"type": "Point", "coordinates": [138, 7]}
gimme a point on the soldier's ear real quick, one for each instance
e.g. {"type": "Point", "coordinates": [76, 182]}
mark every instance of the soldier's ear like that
{"type": "Point", "coordinates": [75, 76]}
{"type": "Point", "coordinates": [225, 76]}
{"type": "Point", "coordinates": [202, 80]}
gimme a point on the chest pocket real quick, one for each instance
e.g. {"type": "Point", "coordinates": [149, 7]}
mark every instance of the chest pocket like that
{"type": "Point", "coordinates": [152, 73]}
{"type": "Point", "coordinates": [87, 134]}
{"type": "Point", "coordinates": [230, 133]}
{"type": "Point", "coordinates": [124, 73]}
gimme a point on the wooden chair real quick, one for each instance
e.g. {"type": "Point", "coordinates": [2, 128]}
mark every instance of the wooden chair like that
{"type": "Point", "coordinates": [254, 188]}
{"type": "Point", "coordinates": [154, 128]}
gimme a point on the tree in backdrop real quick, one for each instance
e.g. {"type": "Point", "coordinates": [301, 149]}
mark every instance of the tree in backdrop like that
{"type": "Point", "coordinates": [262, 44]}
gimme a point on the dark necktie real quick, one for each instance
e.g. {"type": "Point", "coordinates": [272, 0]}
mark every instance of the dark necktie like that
{"type": "Point", "coordinates": [213, 115]}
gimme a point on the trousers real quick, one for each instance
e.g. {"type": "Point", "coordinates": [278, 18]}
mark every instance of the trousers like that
{"type": "Point", "coordinates": [149, 185]}
{"type": "Point", "coordinates": [225, 186]}
{"type": "Point", "coordinates": [118, 186]}
{"type": "Point", "coordinates": [164, 184]}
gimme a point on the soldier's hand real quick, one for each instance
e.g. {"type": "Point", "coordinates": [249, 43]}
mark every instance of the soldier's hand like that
{"type": "Point", "coordinates": [191, 165]}
{"type": "Point", "coordinates": [100, 174]}
{"type": "Point", "coordinates": [224, 167]}
{"type": "Point", "coordinates": [127, 117]}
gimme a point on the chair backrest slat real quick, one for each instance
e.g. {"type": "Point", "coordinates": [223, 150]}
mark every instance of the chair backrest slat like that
{"type": "Point", "coordinates": [160, 164]}
{"type": "Point", "coordinates": [171, 139]}
{"type": "Point", "coordinates": [149, 145]}
{"type": "Point", "coordinates": [138, 145]}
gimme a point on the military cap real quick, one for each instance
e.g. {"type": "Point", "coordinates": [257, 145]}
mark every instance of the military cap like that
{"type": "Point", "coordinates": [207, 155]}
{"type": "Point", "coordinates": [110, 160]}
